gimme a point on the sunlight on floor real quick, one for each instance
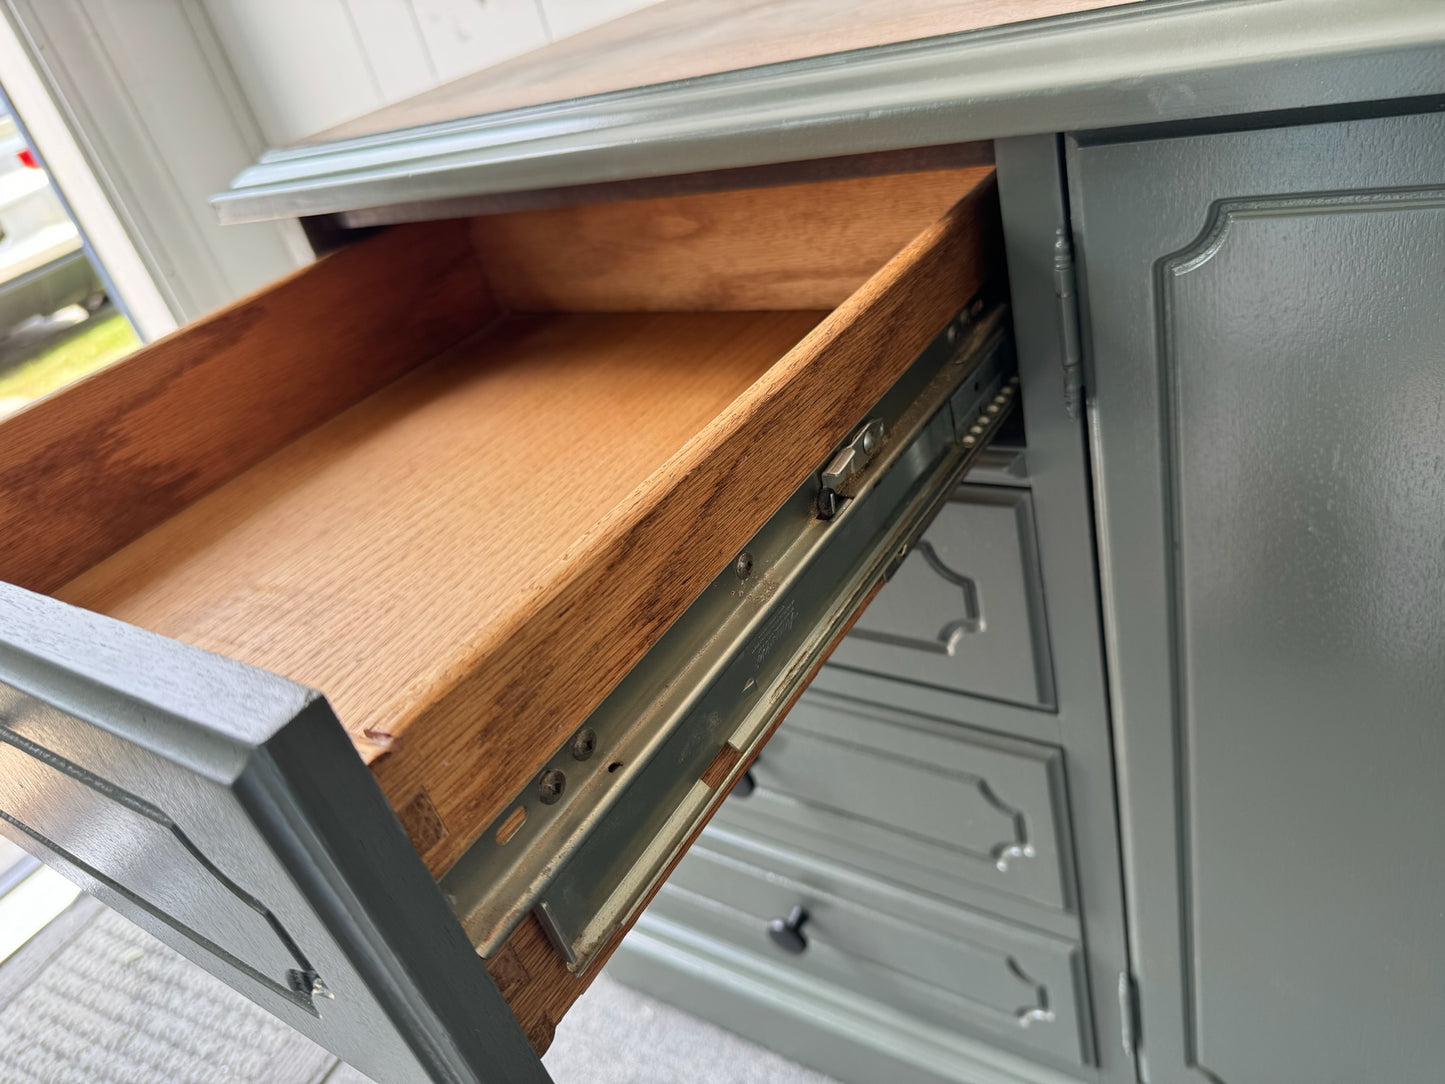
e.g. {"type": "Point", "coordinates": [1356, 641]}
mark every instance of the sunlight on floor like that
{"type": "Point", "coordinates": [29, 906]}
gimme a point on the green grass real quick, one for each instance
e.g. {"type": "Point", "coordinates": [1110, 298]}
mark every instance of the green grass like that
{"type": "Point", "coordinates": [93, 345]}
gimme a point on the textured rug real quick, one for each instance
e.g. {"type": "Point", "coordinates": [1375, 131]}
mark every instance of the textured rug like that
{"type": "Point", "coordinates": [94, 1000]}
{"type": "Point", "coordinates": [113, 1005]}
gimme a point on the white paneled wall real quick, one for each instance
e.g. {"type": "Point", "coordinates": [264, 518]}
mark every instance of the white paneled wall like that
{"type": "Point", "coordinates": [464, 35]}
{"type": "Point", "coordinates": [309, 64]}
{"type": "Point", "coordinates": [566, 17]}
{"type": "Point", "coordinates": [388, 33]}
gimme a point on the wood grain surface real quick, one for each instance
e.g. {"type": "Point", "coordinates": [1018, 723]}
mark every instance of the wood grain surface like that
{"type": "Point", "coordinates": [385, 555]}
{"type": "Point", "coordinates": [95, 466]}
{"type": "Point", "coordinates": [473, 550]}
{"type": "Point", "coordinates": [804, 246]}
{"type": "Point", "coordinates": [529, 685]}
{"type": "Point", "coordinates": [469, 560]}
{"type": "Point", "coordinates": [682, 39]}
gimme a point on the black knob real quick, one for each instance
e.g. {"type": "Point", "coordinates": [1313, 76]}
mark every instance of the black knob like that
{"type": "Point", "coordinates": [787, 933]}
{"type": "Point", "coordinates": [745, 785]}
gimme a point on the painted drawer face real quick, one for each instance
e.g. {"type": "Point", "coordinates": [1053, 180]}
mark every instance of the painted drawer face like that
{"type": "Point", "coordinates": [943, 966]}
{"type": "Point", "coordinates": [965, 611]}
{"type": "Point", "coordinates": [928, 805]}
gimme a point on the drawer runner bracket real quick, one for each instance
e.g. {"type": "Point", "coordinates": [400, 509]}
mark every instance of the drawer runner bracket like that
{"type": "Point", "coordinates": [587, 845]}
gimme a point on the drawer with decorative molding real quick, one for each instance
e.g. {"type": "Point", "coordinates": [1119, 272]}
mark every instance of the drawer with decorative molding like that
{"type": "Point", "coordinates": [923, 803]}
{"type": "Point", "coordinates": [941, 966]}
{"type": "Point", "coordinates": [965, 611]}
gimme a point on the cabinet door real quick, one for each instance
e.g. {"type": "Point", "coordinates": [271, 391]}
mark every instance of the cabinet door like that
{"type": "Point", "coordinates": [1267, 324]}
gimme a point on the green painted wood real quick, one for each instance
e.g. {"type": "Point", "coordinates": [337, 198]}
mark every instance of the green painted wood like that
{"type": "Point", "coordinates": [766, 998]}
{"type": "Point", "coordinates": [1160, 62]}
{"type": "Point", "coordinates": [943, 966]}
{"type": "Point", "coordinates": [937, 807]}
{"type": "Point", "coordinates": [223, 809]}
{"type": "Point", "coordinates": [965, 611]}
{"type": "Point", "coordinates": [1267, 312]}
{"type": "Point", "coordinates": [852, 1038]}
{"type": "Point", "coordinates": [1031, 193]}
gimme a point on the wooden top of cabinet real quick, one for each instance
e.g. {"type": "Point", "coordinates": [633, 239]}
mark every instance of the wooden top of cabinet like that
{"type": "Point", "coordinates": [683, 39]}
{"type": "Point", "coordinates": [691, 89]}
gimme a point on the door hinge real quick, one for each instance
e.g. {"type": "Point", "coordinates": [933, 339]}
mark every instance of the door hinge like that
{"type": "Point", "coordinates": [1128, 1014]}
{"type": "Point", "coordinates": [1064, 292]}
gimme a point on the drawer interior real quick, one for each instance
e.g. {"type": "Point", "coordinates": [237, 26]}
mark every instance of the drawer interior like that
{"type": "Point", "coordinates": [461, 475]}
{"type": "Point", "coordinates": [380, 555]}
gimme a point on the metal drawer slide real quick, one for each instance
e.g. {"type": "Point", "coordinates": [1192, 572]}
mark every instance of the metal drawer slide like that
{"type": "Point", "coordinates": [586, 845]}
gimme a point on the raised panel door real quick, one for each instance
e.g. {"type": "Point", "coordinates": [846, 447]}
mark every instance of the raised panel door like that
{"type": "Point", "coordinates": [1267, 343]}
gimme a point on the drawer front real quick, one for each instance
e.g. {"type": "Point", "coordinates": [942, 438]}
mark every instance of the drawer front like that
{"type": "Point", "coordinates": [965, 610]}
{"type": "Point", "coordinates": [946, 967]}
{"type": "Point", "coordinates": [922, 804]}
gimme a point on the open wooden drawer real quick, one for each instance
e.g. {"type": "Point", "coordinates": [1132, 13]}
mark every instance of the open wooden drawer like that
{"type": "Point", "coordinates": [557, 511]}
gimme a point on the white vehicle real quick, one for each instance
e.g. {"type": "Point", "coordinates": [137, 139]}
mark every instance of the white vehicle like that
{"type": "Point", "coordinates": [43, 264]}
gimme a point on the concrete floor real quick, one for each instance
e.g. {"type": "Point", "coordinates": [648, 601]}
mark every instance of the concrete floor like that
{"type": "Point", "coordinates": [92, 999]}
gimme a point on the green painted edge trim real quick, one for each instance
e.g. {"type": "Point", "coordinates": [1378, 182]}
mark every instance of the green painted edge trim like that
{"type": "Point", "coordinates": [1147, 63]}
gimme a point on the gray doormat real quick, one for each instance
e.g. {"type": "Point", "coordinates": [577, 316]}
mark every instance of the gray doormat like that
{"type": "Point", "coordinates": [94, 1000]}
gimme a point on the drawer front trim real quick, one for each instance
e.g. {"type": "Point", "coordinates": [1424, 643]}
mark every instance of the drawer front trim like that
{"type": "Point", "coordinates": [223, 809]}
{"type": "Point", "coordinates": [914, 803]}
{"type": "Point", "coordinates": [948, 968]}
{"type": "Point", "coordinates": [966, 610]}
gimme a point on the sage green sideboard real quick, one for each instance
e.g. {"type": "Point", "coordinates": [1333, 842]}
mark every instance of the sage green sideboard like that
{"type": "Point", "coordinates": [1262, 324]}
